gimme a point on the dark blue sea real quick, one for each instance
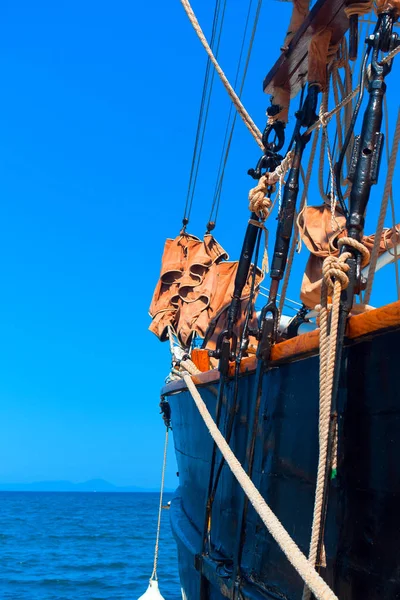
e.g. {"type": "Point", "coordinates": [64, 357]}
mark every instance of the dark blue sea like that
{"type": "Point", "coordinates": [97, 546]}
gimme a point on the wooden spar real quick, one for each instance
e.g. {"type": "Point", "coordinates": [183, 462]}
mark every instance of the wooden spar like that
{"type": "Point", "coordinates": [290, 70]}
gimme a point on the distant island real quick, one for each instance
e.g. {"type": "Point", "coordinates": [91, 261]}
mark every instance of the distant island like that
{"type": "Point", "coordinates": [93, 485]}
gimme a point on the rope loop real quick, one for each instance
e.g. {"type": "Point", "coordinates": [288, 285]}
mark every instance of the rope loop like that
{"type": "Point", "coordinates": [363, 250]}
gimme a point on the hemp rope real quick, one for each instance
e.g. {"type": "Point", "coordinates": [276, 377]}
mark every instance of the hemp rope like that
{"type": "Point", "coordinates": [190, 367]}
{"type": "Point", "coordinates": [335, 279]}
{"type": "Point", "coordinates": [350, 96]}
{"type": "Point", "coordinates": [251, 126]}
{"type": "Point", "coordinates": [319, 587]}
{"type": "Point", "coordinates": [154, 573]}
{"type": "Point", "coordinates": [258, 201]}
{"type": "Point", "coordinates": [382, 214]}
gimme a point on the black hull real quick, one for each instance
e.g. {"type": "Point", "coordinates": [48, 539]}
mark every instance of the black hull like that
{"type": "Point", "coordinates": [362, 534]}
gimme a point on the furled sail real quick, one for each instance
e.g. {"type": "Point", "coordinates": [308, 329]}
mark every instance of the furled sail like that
{"type": "Point", "coordinates": [195, 288]}
{"type": "Point", "coordinates": [388, 5]}
{"type": "Point", "coordinates": [320, 232]}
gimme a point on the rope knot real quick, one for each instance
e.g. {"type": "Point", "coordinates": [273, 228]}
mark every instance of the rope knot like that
{"type": "Point", "coordinates": [259, 203]}
{"type": "Point", "coordinates": [324, 118]}
{"type": "Point", "coordinates": [335, 268]}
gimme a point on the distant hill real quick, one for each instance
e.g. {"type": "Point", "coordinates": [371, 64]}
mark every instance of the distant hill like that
{"type": "Point", "coordinates": [93, 485]}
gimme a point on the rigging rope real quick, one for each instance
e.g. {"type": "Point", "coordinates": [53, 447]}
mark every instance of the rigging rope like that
{"type": "Point", "coordinates": [328, 115]}
{"type": "Point", "coordinates": [154, 573]}
{"type": "Point", "coordinates": [259, 202]}
{"type": "Point", "coordinates": [335, 279]}
{"type": "Point", "coordinates": [252, 127]}
{"type": "Point", "coordinates": [228, 139]}
{"type": "Point", "coordinates": [202, 122]}
{"type": "Point", "coordinates": [319, 587]}
{"type": "Point", "coordinates": [382, 214]}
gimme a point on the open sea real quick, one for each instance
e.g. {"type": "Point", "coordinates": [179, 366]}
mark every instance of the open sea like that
{"type": "Point", "coordinates": [97, 546]}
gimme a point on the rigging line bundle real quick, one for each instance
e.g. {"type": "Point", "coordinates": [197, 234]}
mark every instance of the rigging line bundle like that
{"type": "Point", "coordinates": [217, 26]}
{"type": "Point", "coordinates": [252, 127]}
{"type": "Point", "coordinates": [228, 138]}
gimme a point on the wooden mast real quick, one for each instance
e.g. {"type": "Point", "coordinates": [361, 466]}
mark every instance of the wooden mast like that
{"type": "Point", "coordinates": [290, 70]}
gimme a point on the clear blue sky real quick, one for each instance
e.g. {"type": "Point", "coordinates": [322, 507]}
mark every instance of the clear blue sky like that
{"type": "Point", "coordinates": [98, 113]}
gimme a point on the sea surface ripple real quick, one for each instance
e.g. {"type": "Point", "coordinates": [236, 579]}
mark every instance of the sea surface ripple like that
{"type": "Point", "coordinates": [97, 546]}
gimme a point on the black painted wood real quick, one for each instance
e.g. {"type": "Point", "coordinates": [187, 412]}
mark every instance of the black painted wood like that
{"type": "Point", "coordinates": [363, 520]}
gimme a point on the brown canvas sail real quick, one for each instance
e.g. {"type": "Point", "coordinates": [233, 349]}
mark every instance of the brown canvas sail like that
{"type": "Point", "coordinates": [320, 233]}
{"type": "Point", "coordinates": [195, 288]}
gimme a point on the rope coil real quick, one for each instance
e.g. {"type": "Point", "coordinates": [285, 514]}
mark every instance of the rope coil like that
{"type": "Point", "coordinates": [335, 279]}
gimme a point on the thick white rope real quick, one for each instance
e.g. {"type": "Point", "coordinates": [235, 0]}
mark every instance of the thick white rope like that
{"type": "Point", "coordinates": [259, 202]}
{"type": "Point", "coordinates": [319, 587]}
{"type": "Point", "coordinates": [335, 279]}
{"type": "Point", "coordinates": [190, 367]}
{"type": "Point", "coordinates": [154, 573]}
{"type": "Point", "coordinates": [382, 214]}
{"type": "Point", "coordinates": [248, 121]}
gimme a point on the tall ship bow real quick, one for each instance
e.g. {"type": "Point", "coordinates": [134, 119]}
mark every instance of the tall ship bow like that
{"type": "Point", "coordinates": [287, 427]}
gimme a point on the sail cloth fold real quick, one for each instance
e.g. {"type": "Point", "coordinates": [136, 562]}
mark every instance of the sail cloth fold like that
{"type": "Point", "coordinates": [320, 233]}
{"type": "Point", "coordinates": [388, 5]}
{"type": "Point", "coordinates": [319, 55]}
{"type": "Point", "coordinates": [280, 94]}
{"type": "Point", "coordinates": [195, 288]}
{"type": "Point", "coordinates": [301, 8]}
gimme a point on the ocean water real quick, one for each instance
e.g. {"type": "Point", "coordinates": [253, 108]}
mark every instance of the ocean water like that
{"type": "Point", "coordinates": [97, 546]}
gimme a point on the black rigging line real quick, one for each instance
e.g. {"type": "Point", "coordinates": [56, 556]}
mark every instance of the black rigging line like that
{"type": "Point", "coordinates": [228, 136]}
{"type": "Point", "coordinates": [231, 106]}
{"type": "Point", "coordinates": [218, 20]}
{"type": "Point", "coordinates": [343, 150]}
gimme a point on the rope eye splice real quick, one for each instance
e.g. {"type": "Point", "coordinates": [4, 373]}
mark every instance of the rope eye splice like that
{"type": "Point", "coordinates": [153, 592]}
